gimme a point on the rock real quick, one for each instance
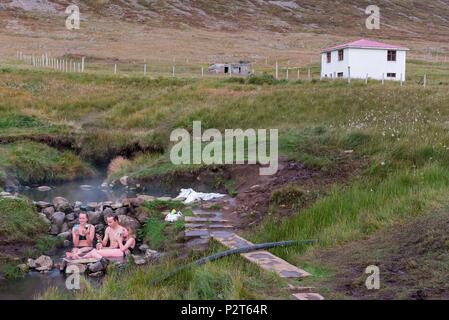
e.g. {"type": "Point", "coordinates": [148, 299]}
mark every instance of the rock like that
{"type": "Point", "coordinates": [31, 263]}
{"type": "Point", "coordinates": [64, 235]}
{"type": "Point", "coordinates": [42, 204]}
{"type": "Point", "coordinates": [121, 211]}
{"type": "Point", "coordinates": [129, 222]}
{"type": "Point", "coordinates": [43, 188]}
{"type": "Point", "coordinates": [75, 268]}
{"type": "Point", "coordinates": [94, 217]}
{"type": "Point", "coordinates": [64, 228]}
{"type": "Point", "coordinates": [152, 255]}
{"type": "Point", "coordinates": [44, 263]}
{"type": "Point", "coordinates": [48, 211]}
{"type": "Point", "coordinates": [144, 247]}
{"type": "Point", "coordinates": [67, 243]}
{"type": "Point", "coordinates": [54, 230]}
{"type": "Point", "coordinates": [142, 214]}
{"type": "Point", "coordinates": [61, 204]}
{"type": "Point", "coordinates": [136, 202]}
{"type": "Point", "coordinates": [108, 212]}
{"type": "Point", "coordinates": [12, 197]}
{"type": "Point", "coordinates": [23, 267]}
{"type": "Point", "coordinates": [86, 187]}
{"type": "Point", "coordinates": [58, 218]}
{"type": "Point", "coordinates": [44, 218]}
{"type": "Point", "coordinates": [92, 206]}
{"type": "Point", "coordinates": [69, 217]}
{"type": "Point", "coordinates": [78, 204]}
{"type": "Point", "coordinates": [100, 265]}
{"type": "Point", "coordinates": [5, 194]}
{"type": "Point", "coordinates": [97, 274]}
{"type": "Point", "coordinates": [164, 198]}
{"type": "Point", "coordinates": [139, 259]}
{"type": "Point", "coordinates": [116, 205]}
{"type": "Point", "coordinates": [145, 197]}
{"type": "Point", "coordinates": [124, 180]}
{"type": "Point", "coordinates": [104, 185]}
{"type": "Point", "coordinates": [107, 203]}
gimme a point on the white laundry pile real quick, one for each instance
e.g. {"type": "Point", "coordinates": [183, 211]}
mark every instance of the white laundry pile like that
{"type": "Point", "coordinates": [191, 195]}
{"type": "Point", "coordinates": [173, 216]}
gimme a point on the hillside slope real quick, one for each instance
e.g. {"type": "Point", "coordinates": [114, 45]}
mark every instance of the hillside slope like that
{"type": "Point", "coordinates": [415, 18]}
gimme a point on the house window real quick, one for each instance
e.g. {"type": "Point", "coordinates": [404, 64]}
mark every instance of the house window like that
{"type": "Point", "coordinates": [391, 55]}
{"type": "Point", "coordinates": [391, 75]}
{"type": "Point", "coordinates": [340, 74]}
{"type": "Point", "coordinates": [340, 55]}
{"type": "Point", "coordinates": [329, 57]}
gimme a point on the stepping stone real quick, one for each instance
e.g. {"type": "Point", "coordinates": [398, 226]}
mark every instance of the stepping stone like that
{"type": "Point", "coordinates": [197, 219]}
{"type": "Point", "coordinates": [196, 233]}
{"type": "Point", "coordinates": [202, 213]}
{"type": "Point", "coordinates": [308, 296]}
{"type": "Point", "coordinates": [198, 242]}
{"type": "Point", "coordinates": [81, 261]}
{"type": "Point", "coordinates": [195, 225]}
{"type": "Point", "coordinates": [217, 226]}
{"type": "Point", "coordinates": [263, 258]}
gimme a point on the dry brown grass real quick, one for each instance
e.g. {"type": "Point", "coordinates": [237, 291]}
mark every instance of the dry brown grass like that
{"type": "Point", "coordinates": [116, 164]}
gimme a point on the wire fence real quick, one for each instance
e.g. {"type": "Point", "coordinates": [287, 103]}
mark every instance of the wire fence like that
{"type": "Point", "coordinates": [430, 73]}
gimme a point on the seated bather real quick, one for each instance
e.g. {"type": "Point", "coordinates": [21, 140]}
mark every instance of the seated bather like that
{"type": "Point", "coordinates": [83, 235]}
{"type": "Point", "coordinates": [121, 242]}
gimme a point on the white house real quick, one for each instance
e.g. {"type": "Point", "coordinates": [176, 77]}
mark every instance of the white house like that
{"type": "Point", "coordinates": [364, 58]}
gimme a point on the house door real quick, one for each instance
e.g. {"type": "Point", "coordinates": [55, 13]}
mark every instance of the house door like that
{"type": "Point", "coordinates": [226, 69]}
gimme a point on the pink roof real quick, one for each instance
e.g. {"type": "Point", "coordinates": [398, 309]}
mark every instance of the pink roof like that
{"type": "Point", "coordinates": [363, 43]}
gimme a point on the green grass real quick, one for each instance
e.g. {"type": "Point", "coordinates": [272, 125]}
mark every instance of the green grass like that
{"type": "Point", "coordinates": [156, 232]}
{"type": "Point", "coordinates": [400, 133]}
{"type": "Point", "coordinates": [352, 213]}
{"type": "Point", "coordinates": [11, 271]}
{"type": "Point", "coordinates": [19, 221]}
{"type": "Point", "coordinates": [32, 162]}
{"type": "Point", "coordinates": [229, 278]}
{"type": "Point", "coordinates": [153, 232]}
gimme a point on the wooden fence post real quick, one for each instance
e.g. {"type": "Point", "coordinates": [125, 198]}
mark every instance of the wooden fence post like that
{"type": "Point", "coordinates": [277, 71]}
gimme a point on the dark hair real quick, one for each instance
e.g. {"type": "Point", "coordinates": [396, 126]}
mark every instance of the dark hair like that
{"type": "Point", "coordinates": [115, 217]}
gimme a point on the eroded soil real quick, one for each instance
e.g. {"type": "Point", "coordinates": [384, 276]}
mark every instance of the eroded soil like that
{"type": "Point", "coordinates": [413, 259]}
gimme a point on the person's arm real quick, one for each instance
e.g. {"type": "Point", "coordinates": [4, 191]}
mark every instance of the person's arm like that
{"type": "Point", "coordinates": [105, 240]}
{"type": "Point", "coordinates": [129, 244]}
{"type": "Point", "coordinates": [91, 235]}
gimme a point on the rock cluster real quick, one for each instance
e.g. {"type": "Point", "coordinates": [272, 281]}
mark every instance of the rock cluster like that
{"type": "Point", "coordinates": [61, 215]}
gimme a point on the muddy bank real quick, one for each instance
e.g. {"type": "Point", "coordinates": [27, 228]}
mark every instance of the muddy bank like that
{"type": "Point", "coordinates": [412, 260]}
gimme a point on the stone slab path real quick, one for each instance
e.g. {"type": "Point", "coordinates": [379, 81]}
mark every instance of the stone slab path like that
{"type": "Point", "coordinates": [263, 258]}
{"type": "Point", "coordinates": [207, 224]}
{"type": "Point", "coordinates": [198, 228]}
{"type": "Point", "coordinates": [308, 296]}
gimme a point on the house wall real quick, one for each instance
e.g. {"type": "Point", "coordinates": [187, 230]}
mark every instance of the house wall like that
{"type": "Point", "coordinates": [371, 62]}
{"type": "Point", "coordinates": [332, 69]}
